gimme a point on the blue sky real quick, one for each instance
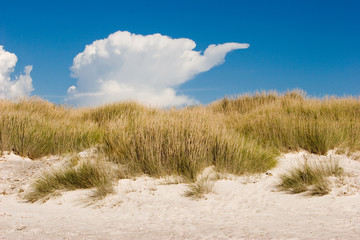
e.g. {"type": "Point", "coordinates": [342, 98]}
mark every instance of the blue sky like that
{"type": "Point", "coordinates": [312, 45]}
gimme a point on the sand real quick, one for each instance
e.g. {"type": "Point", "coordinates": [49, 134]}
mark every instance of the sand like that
{"type": "Point", "coordinates": [248, 207]}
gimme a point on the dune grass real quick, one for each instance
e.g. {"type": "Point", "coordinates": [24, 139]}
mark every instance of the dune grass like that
{"type": "Point", "coordinates": [237, 135]}
{"type": "Point", "coordinates": [310, 177]}
{"type": "Point", "coordinates": [182, 142]}
{"type": "Point", "coordinates": [293, 121]}
{"type": "Point", "coordinates": [199, 188]}
{"type": "Point", "coordinates": [204, 183]}
{"type": "Point", "coordinates": [35, 128]}
{"type": "Point", "coordinates": [84, 175]}
{"type": "Point", "coordinates": [112, 112]}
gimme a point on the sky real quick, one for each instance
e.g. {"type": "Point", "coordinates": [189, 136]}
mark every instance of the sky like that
{"type": "Point", "coordinates": [176, 53]}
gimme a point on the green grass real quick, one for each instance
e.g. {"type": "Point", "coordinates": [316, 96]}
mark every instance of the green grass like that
{"type": "Point", "coordinates": [310, 178]}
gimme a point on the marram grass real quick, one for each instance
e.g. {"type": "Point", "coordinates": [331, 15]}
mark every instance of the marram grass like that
{"type": "Point", "coordinates": [237, 135]}
{"type": "Point", "coordinates": [293, 121]}
{"type": "Point", "coordinates": [182, 142]}
{"type": "Point", "coordinates": [310, 177]}
{"type": "Point", "coordinates": [35, 128]}
{"type": "Point", "coordinates": [86, 174]}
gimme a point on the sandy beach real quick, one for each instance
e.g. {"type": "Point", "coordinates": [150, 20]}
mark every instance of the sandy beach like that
{"type": "Point", "coordinates": [247, 207]}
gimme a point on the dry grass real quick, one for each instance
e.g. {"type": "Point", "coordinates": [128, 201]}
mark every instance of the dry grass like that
{"type": "Point", "coordinates": [236, 135]}
{"type": "Point", "coordinates": [35, 128]}
{"type": "Point", "coordinates": [88, 174]}
{"type": "Point", "coordinates": [293, 121]}
{"type": "Point", "coordinates": [182, 142]}
{"type": "Point", "coordinates": [204, 183]}
{"type": "Point", "coordinates": [112, 112]}
{"type": "Point", "coordinates": [198, 189]}
{"type": "Point", "coordinates": [311, 178]}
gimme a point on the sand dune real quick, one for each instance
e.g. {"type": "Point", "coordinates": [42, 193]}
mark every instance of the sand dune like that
{"type": "Point", "coordinates": [247, 207]}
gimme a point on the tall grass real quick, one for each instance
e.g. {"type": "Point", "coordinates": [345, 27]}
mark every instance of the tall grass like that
{"type": "Point", "coordinates": [293, 121]}
{"type": "Point", "coordinates": [236, 135]}
{"type": "Point", "coordinates": [109, 113]}
{"type": "Point", "coordinates": [245, 103]}
{"type": "Point", "coordinates": [182, 142]}
{"type": "Point", "coordinates": [36, 128]}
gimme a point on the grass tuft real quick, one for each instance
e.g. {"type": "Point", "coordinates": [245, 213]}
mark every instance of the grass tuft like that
{"type": "Point", "coordinates": [310, 178]}
{"type": "Point", "coordinates": [198, 189]}
{"type": "Point", "coordinates": [85, 175]}
{"type": "Point", "coordinates": [204, 183]}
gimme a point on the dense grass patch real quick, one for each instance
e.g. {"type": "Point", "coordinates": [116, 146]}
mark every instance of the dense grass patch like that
{"type": "Point", "coordinates": [35, 128]}
{"type": "Point", "coordinates": [182, 142]}
{"type": "Point", "coordinates": [110, 113]}
{"type": "Point", "coordinates": [245, 103]}
{"type": "Point", "coordinates": [292, 121]}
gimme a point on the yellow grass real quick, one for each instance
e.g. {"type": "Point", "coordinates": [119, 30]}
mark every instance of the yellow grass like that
{"type": "Point", "coordinates": [182, 142]}
{"type": "Point", "coordinates": [292, 121]}
{"type": "Point", "coordinates": [236, 135]}
{"type": "Point", "coordinates": [36, 128]}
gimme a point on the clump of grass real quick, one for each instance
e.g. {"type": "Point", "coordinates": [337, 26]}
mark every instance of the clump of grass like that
{"type": "Point", "coordinates": [199, 189]}
{"type": "Point", "coordinates": [87, 174]}
{"type": "Point", "coordinates": [310, 178]}
{"type": "Point", "coordinates": [240, 155]}
{"type": "Point", "coordinates": [204, 183]}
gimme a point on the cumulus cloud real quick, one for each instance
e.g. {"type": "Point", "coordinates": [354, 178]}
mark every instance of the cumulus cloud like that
{"type": "Point", "coordinates": [147, 69]}
{"type": "Point", "coordinates": [13, 89]}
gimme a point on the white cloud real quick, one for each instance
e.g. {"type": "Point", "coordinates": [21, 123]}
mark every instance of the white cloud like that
{"type": "Point", "coordinates": [12, 89]}
{"type": "Point", "coordinates": [127, 66]}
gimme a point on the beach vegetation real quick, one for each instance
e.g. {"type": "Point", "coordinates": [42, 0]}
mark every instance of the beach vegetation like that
{"type": "Point", "coordinates": [238, 135]}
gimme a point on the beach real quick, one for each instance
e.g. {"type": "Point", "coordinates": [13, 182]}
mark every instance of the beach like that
{"type": "Point", "coordinates": [239, 207]}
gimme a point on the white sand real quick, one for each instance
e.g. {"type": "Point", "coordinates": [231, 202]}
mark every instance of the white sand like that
{"type": "Point", "coordinates": [146, 208]}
